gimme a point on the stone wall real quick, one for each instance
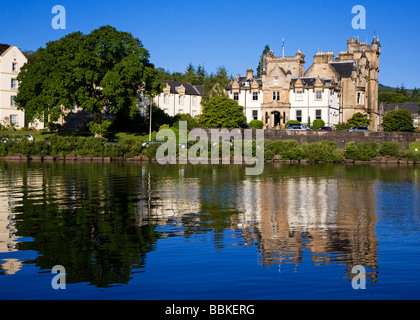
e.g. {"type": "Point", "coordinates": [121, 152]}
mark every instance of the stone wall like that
{"type": "Point", "coordinates": [341, 138]}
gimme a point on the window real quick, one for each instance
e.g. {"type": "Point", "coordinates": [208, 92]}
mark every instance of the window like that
{"type": "Point", "coordinates": [276, 81]}
{"type": "Point", "coordinates": [180, 111]}
{"type": "Point", "coordinates": [276, 96]}
{"type": "Point", "coordinates": [194, 113]}
{"type": "Point", "coordinates": [318, 114]}
{"type": "Point", "coordinates": [73, 124]}
{"type": "Point", "coordinates": [255, 114]}
{"type": "Point", "coordinates": [255, 96]}
{"type": "Point", "coordinates": [299, 115]}
{"type": "Point", "coordinates": [181, 100]}
{"type": "Point", "coordinates": [318, 95]}
{"type": "Point", "coordinates": [166, 98]}
{"type": "Point", "coordinates": [359, 98]}
{"type": "Point", "coordinates": [299, 95]}
{"type": "Point", "coordinates": [14, 84]}
{"type": "Point", "coordinates": [166, 111]}
{"type": "Point", "coordinates": [236, 96]}
{"type": "Point", "coordinates": [194, 101]}
{"type": "Point", "coordinates": [12, 101]}
{"type": "Point", "coordinates": [13, 119]}
{"type": "Point", "coordinates": [14, 67]}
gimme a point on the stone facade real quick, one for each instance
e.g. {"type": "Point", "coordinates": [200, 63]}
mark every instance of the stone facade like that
{"type": "Point", "coordinates": [332, 88]}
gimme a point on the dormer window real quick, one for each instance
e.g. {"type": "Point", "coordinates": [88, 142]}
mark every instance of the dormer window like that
{"type": "Point", "coordinates": [236, 96]}
{"type": "Point", "coordinates": [299, 95]}
{"type": "Point", "coordinates": [318, 95]}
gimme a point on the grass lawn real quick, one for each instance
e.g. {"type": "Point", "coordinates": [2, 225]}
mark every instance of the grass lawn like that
{"type": "Point", "coordinates": [414, 146]}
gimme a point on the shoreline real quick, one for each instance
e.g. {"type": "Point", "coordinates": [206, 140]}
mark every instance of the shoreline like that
{"type": "Point", "coordinates": [383, 160]}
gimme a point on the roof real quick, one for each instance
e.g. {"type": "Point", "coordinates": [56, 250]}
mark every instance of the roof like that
{"type": "Point", "coordinates": [413, 107]}
{"type": "Point", "coordinates": [244, 82]}
{"type": "Point", "coordinates": [344, 68]}
{"type": "Point", "coordinates": [191, 90]}
{"type": "Point", "coordinates": [3, 48]}
{"type": "Point", "coordinates": [309, 82]}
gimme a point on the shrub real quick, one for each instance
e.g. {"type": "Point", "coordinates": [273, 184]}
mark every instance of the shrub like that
{"type": "Point", "coordinates": [256, 124]}
{"type": "Point", "coordinates": [342, 127]}
{"type": "Point", "coordinates": [390, 149]}
{"type": "Point", "coordinates": [399, 120]}
{"type": "Point", "coordinates": [410, 155]}
{"type": "Point", "coordinates": [323, 151]}
{"type": "Point", "coordinates": [363, 151]}
{"type": "Point", "coordinates": [151, 150]}
{"type": "Point", "coordinates": [318, 123]}
{"type": "Point", "coordinates": [292, 122]}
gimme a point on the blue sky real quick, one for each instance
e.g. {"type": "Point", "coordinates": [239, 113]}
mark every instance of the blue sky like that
{"type": "Point", "coordinates": [230, 33]}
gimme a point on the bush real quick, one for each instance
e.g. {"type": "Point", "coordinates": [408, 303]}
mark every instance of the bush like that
{"type": "Point", "coordinates": [342, 127]}
{"type": "Point", "coordinates": [399, 120]}
{"type": "Point", "coordinates": [410, 155]}
{"type": "Point", "coordinates": [318, 123]}
{"type": "Point", "coordinates": [323, 151]}
{"type": "Point", "coordinates": [292, 122]}
{"type": "Point", "coordinates": [256, 124]}
{"type": "Point", "coordinates": [362, 152]}
{"type": "Point", "coordinates": [390, 149]}
{"type": "Point", "coordinates": [151, 150]}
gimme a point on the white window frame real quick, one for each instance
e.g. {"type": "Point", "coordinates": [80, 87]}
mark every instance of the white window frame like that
{"type": "Point", "coordinates": [15, 67]}
{"type": "Point", "coordinates": [14, 83]}
{"type": "Point", "coordinates": [299, 95]}
{"type": "Point", "coordinates": [318, 98]}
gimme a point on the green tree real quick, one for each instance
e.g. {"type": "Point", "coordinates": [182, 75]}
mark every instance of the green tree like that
{"type": "Point", "coordinates": [101, 72]}
{"type": "Point", "coordinates": [262, 65]}
{"type": "Point", "coordinates": [222, 112]}
{"type": "Point", "coordinates": [215, 84]}
{"type": "Point", "coordinates": [391, 98]}
{"type": "Point", "coordinates": [359, 119]}
{"type": "Point", "coordinates": [318, 123]}
{"type": "Point", "coordinates": [400, 120]}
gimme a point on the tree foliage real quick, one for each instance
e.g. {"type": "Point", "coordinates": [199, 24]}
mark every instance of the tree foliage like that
{"type": "Point", "coordinates": [262, 65]}
{"type": "Point", "coordinates": [399, 120]}
{"type": "Point", "coordinates": [222, 112]}
{"type": "Point", "coordinates": [359, 119]}
{"type": "Point", "coordinates": [101, 72]}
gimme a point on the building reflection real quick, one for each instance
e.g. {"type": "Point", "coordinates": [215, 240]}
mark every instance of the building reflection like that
{"type": "Point", "coordinates": [285, 213]}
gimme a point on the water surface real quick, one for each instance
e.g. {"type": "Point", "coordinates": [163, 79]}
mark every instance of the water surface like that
{"type": "Point", "coordinates": [146, 231]}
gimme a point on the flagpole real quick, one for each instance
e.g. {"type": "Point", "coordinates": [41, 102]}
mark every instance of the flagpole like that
{"type": "Point", "coordinates": [283, 47]}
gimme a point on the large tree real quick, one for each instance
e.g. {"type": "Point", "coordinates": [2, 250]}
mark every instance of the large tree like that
{"type": "Point", "coordinates": [262, 65]}
{"type": "Point", "coordinates": [222, 112]}
{"type": "Point", "coordinates": [102, 72]}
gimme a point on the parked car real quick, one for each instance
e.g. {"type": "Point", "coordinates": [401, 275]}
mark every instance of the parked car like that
{"type": "Point", "coordinates": [298, 127]}
{"type": "Point", "coordinates": [325, 129]}
{"type": "Point", "coordinates": [146, 144]}
{"type": "Point", "coordinates": [359, 129]}
{"type": "Point", "coordinates": [18, 137]}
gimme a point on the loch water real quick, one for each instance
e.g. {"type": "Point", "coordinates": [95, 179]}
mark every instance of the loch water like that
{"type": "Point", "coordinates": [145, 231]}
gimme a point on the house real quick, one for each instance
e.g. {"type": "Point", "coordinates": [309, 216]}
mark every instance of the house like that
{"type": "Point", "coordinates": [11, 61]}
{"type": "Point", "coordinates": [247, 91]}
{"type": "Point", "coordinates": [314, 98]}
{"type": "Point", "coordinates": [178, 97]}
{"type": "Point", "coordinates": [413, 107]}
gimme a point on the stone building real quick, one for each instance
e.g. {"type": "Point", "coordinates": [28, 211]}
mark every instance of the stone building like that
{"type": "Point", "coordinates": [332, 88]}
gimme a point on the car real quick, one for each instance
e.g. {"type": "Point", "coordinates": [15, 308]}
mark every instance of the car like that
{"type": "Point", "coordinates": [325, 129]}
{"type": "Point", "coordinates": [146, 144]}
{"type": "Point", "coordinates": [359, 129]}
{"type": "Point", "coordinates": [298, 127]}
{"type": "Point", "coordinates": [18, 137]}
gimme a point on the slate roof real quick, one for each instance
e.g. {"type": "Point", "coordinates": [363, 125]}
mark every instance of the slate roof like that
{"type": "Point", "coordinates": [3, 48]}
{"type": "Point", "coordinates": [344, 68]}
{"type": "Point", "coordinates": [192, 90]}
{"type": "Point", "coordinates": [309, 82]}
{"type": "Point", "coordinates": [413, 107]}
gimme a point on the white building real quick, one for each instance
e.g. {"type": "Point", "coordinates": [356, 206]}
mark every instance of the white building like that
{"type": "Point", "coordinates": [180, 97]}
{"type": "Point", "coordinates": [314, 98]}
{"type": "Point", "coordinates": [11, 61]}
{"type": "Point", "coordinates": [247, 91]}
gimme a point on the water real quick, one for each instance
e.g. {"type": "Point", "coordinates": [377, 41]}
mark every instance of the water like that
{"type": "Point", "coordinates": [145, 231]}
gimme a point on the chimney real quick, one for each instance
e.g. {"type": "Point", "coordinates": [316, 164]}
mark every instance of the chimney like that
{"type": "Point", "coordinates": [250, 73]}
